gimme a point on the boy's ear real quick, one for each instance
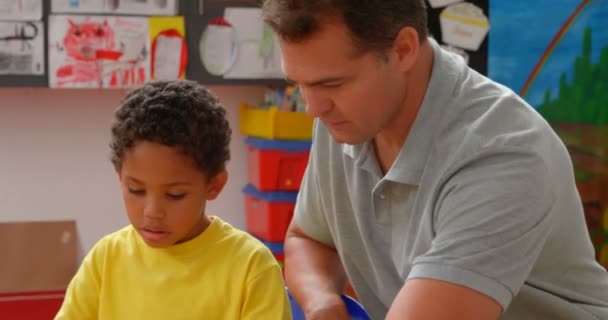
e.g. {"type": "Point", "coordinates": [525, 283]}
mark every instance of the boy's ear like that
{"type": "Point", "coordinates": [216, 184]}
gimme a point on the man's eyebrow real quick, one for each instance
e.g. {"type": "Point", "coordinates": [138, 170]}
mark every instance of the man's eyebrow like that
{"type": "Point", "coordinates": [318, 82]}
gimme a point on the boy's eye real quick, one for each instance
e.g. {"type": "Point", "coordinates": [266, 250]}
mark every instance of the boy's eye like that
{"type": "Point", "coordinates": [137, 192]}
{"type": "Point", "coordinates": [175, 196]}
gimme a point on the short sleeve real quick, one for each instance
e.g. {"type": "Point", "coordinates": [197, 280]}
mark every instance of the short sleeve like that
{"type": "Point", "coordinates": [266, 296]}
{"type": "Point", "coordinates": [491, 220]}
{"type": "Point", "coordinates": [82, 296]}
{"type": "Point", "coordinates": [309, 214]}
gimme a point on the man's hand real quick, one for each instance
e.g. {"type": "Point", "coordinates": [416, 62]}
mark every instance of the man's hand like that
{"type": "Point", "coordinates": [327, 307]}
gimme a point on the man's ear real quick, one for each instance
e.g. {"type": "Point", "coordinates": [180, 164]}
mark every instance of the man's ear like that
{"type": "Point", "coordinates": [405, 48]}
{"type": "Point", "coordinates": [216, 184]}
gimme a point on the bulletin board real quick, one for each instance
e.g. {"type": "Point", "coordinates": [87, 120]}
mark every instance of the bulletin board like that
{"type": "Point", "coordinates": [29, 80]}
{"type": "Point", "coordinates": [478, 59]}
{"type": "Point", "coordinates": [198, 19]}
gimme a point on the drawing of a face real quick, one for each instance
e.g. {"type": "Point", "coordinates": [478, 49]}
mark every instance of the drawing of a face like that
{"type": "Point", "coordinates": [82, 40]}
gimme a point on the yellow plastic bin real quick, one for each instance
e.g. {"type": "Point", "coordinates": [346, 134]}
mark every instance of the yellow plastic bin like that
{"type": "Point", "coordinates": [272, 123]}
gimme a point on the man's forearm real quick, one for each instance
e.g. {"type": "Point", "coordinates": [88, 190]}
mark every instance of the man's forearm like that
{"type": "Point", "coordinates": [313, 271]}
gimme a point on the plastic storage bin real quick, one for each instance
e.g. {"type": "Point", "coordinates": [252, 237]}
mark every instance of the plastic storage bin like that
{"type": "Point", "coordinates": [276, 165]}
{"type": "Point", "coordinates": [272, 123]}
{"type": "Point", "coordinates": [268, 214]}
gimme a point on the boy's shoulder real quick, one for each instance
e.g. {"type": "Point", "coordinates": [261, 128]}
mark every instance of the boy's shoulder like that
{"type": "Point", "coordinates": [243, 244]}
{"type": "Point", "coordinates": [117, 240]}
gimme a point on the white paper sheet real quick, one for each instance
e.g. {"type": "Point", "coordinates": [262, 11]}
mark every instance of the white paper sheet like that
{"type": "Point", "coordinates": [442, 3]}
{"type": "Point", "coordinates": [218, 48]}
{"type": "Point", "coordinates": [167, 59]}
{"type": "Point", "coordinates": [98, 51]}
{"type": "Point", "coordinates": [78, 6]}
{"type": "Point", "coordinates": [21, 10]}
{"type": "Point", "coordinates": [464, 25]}
{"type": "Point", "coordinates": [143, 7]}
{"type": "Point", "coordinates": [258, 53]}
{"type": "Point", "coordinates": [22, 48]}
{"type": "Point", "coordinates": [131, 7]}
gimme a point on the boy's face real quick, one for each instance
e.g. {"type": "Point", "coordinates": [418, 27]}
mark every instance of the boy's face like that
{"type": "Point", "coordinates": [165, 193]}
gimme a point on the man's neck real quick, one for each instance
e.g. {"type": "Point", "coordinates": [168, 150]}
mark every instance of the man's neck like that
{"type": "Point", "coordinates": [389, 142]}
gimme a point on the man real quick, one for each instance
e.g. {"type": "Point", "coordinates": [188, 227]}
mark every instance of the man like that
{"type": "Point", "coordinates": [438, 193]}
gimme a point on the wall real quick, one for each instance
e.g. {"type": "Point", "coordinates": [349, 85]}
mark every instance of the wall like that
{"type": "Point", "coordinates": [54, 159]}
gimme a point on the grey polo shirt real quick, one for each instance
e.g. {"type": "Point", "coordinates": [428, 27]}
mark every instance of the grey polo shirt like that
{"type": "Point", "coordinates": [482, 195]}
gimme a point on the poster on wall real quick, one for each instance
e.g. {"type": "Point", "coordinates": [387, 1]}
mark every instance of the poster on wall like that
{"type": "Point", "coordinates": [98, 51]}
{"type": "Point", "coordinates": [131, 7]}
{"type": "Point", "coordinates": [22, 48]}
{"type": "Point", "coordinates": [20, 10]}
{"type": "Point", "coordinates": [169, 51]}
{"type": "Point", "coordinates": [559, 64]}
{"type": "Point", "coordinates": [257, 55]}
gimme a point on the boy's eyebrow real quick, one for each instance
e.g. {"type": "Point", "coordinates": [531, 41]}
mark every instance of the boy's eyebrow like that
{"type": "Point", "coordinates": [170, 184]}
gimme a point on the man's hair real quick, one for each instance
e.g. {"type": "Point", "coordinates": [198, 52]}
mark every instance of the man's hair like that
{"type": "Point", "coordinates": [180, 114]}
{"type": "Point", "coordinates": [373, 24]}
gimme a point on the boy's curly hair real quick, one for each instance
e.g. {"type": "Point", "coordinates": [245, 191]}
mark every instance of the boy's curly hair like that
{"type": "Point", "coordinates": [180, 114]}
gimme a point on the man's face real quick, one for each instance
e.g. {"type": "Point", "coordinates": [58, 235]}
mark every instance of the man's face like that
{"type": "Point", "coordinates": [356, 95]}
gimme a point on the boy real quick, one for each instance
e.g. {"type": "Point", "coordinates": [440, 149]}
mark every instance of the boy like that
{"type": "Point", "coordinates": [169, 148]}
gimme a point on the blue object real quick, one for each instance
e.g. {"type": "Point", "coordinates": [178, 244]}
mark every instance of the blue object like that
{"type": "Point", "coordinates": [275, 247]}
{"type": "Point", "coordinates": [355, 310]}
{"type": "Point", "coordinates": [283, 145]}
{"type": "Point", "coordinates": [281, 196]}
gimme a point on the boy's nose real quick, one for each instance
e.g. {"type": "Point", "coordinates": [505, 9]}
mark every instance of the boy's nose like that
{"type": "Point", "coordinates": [154, 211]}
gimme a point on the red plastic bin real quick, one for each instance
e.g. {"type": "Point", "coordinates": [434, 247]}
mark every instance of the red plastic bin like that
{"type": "Point", "coordinates": [276, 165]}
{"type": "Point", "coordinates": [268, 214]}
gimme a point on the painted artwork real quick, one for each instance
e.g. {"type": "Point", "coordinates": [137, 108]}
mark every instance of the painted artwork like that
{"type": "Point", "coordinates": [558, 61]}
{"type": "Point", "coordinates": [98, 51]}
{"type": "Point", "coordinates": [22, 48]}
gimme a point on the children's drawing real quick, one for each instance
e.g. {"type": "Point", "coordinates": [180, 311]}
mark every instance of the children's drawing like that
{"type": "Point", "coordinates": [218, 46]}
{"type": "Point", "coordinates": [258, 54]}
{"type": "Point", "coordinates": [132, 7]}
{"type": "Point", "coordinates": [98, 51]}
{"type": "Point", "coordinates": [20, 10]}
{"type": "Point", "coordinates": [22, 48]}
{"type": "Point", "coordinates": [558, 61]}
{"type": "Point", "coordinates": [169, 51]}
{"type": "Point", "coordinates": [463, 25]}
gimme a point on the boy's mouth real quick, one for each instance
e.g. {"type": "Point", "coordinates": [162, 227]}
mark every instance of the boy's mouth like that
{"type": "Point", "coordinates": [153, 234]}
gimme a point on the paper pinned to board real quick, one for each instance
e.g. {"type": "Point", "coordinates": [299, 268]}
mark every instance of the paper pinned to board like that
{"type": "Point", "coordinates": [442, 3]}
{"type": "Point", "coordinates": [169, 51]}
{"type": "Point", "coordinates": [131, 7]}
{"type": "Point", "coordinates": [20, 10]}
{"type": "Point", "coordinates": [37, 256]}
{"type": "Point", "coordinates": [78, 6]}
{"type": "Point", "coordinates": [22, 48]}
{"type": "Point", "coordinates": [218, 47]}
{"type": "Point", "coordinates": [464, 25]}
{"type": "Point", "coordinates": [98, 51]}
{"type": "Point", "coordinates": [258, 54]}
{"type": "Point", "coordinates": [142, 7]}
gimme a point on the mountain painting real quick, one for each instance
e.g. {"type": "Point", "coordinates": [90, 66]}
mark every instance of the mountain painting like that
{"type": "Point", "coordinates": [554, 53]}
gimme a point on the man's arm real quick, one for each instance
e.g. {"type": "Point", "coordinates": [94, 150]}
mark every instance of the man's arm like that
{"type": "Point", "coordinates": [492, 219]}
{"type": "Point", "coordinates": [431, 299]}
{"type": "Point", "coordinates": [315, 276]}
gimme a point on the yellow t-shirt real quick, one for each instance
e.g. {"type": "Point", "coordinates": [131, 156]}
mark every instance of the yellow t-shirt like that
{"type": "Point", "coordinates": [223, 273]}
